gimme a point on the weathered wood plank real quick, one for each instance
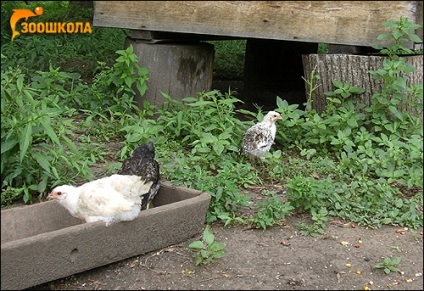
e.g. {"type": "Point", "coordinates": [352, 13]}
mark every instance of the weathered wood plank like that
{"type": "Point", "coordinates": [164, 36]}
{"type": "Point", "coordinates": [339, 22]}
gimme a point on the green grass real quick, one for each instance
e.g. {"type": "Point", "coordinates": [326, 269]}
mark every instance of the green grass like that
{"type": "Point", "coordinates": [78, 53]}
{"type": "Point", "coordinates": [229, 59]}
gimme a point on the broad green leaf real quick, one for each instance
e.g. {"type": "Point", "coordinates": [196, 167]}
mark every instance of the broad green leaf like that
{"type": "Point", "coordinates": [208, 138]}
{"type": "Point", "coordinates": [7, 145]}
{"type": "Point", "coordinates": [281, 103]}
{"type": "Point", "coordinates": [120, 59]}
{"type": "Point", "coordinates": [143, 71]}
{"type": "Point", "coordinates": [357, 90]}
{"type": "Point", "coordinates": [389, 23]}
{"type": "Point", "coordinates": [208, 236]}
{"type": "Point", "coordinates": [414, 38]}
{"type": "Point", "coordinates": [69, 143]}
{"type": "Point", "coordinates": [42, 161]}
{"type": "Point", "coordinates": [397, 34]}
{"type": "Point", "coordinates": [41, 187]}
{"type": "Point", "coordinates": [224, 135]}
{"type": "Point", "coordinates": [27, 195]}
{"type": "Point", "coordinates": [201, 103]}
{"type": "Point", "coordinates": [49, 130]}
{"type": "Point", "coordinates": [128, 81]}
{"type": "Point", "coordinates": [196, 245]}
{"type": "Point", "coordinates": [337, 84]}
{"type": "Point", "coordinates": [25, 140]}
{"type": "Point", "coordinates": [214, 247]}
{"type": "Point", "coordinates": [141, 87]}
{"type": "Point", "coordinates": [218, 148]}
{"type": "Point", "coordinates": [382, 36]}
{"type": "Point", "coordinates": [219, 254]}
{"type": "Point", "coordinates": [55, 173]}
{"type": "Point", "coordinates": [20, 83]}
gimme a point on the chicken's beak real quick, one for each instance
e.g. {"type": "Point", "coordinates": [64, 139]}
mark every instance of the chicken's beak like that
{"type": "Point", "coordinates": [279, 117]}
{"type": "Point", "coordinates": [51, 196]}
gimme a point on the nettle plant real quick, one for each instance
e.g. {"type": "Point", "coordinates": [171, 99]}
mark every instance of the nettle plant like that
{"type": "Point", "coordinates": [270, 212]}
{"type": "Point", "coordinates": [207, 250]}
{"type": "Point", "coordinates": [115, 87]}
{"type": "Point", "coordinates": [37, 150]}
{"type": "Point", "coordinates": [377, 149]}
{"type": "Point", "coordinates": [208, 136]}
{"type": "Point", "coordinates": [366, 156]}
{"type": "Point", "coordinates": [388, 265]}
{"type": "Point", "coordinates": [206, 124]}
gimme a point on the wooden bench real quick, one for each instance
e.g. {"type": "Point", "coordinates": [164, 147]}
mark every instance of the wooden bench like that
{"type": "Point", "coordinates": [167, 35]}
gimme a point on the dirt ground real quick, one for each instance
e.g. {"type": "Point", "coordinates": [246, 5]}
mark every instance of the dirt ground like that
{"type": "Point", "coordinates": [276, 258]}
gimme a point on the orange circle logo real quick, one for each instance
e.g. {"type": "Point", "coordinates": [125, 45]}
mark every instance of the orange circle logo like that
{"type": "Point", "coordinates": [38, 10]}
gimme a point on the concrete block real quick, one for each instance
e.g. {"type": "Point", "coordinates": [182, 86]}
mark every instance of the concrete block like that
{"type": "Point", "coordinates": [43, 242]}
{"type": "Point", "coordinates": [177, 69]}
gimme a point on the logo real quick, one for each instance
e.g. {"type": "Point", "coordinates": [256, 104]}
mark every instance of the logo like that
{"type": "Point", "coordinates": [41, 27]}
{"type": "Point", "coordinates": [18, 14]}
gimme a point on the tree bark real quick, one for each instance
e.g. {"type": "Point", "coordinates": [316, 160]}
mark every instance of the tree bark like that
{"type": "Point", "coordinates": [355, 70]}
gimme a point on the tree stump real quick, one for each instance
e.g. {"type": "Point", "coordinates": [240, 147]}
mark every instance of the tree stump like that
{"type": "Point", "coordinates": [355, 70]}
{"type": "Point", "coordinates": [177, 69]}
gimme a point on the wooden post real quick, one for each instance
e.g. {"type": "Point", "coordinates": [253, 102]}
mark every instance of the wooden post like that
{"type": "Point", "coordinates": [177, 69]}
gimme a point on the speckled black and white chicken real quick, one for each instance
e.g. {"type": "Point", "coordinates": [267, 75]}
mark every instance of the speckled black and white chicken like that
{"type": "Point", "coordinates": [260, 137]}
{"type": "Point", "coordinates": [109, 199]}
{"type": "Point", "coordinates": [143, 164]}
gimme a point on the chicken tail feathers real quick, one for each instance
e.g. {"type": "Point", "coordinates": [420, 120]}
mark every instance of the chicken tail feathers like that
{"type": "Point", "coordinates": [146, 199]}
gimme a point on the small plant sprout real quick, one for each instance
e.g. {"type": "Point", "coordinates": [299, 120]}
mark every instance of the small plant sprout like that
{"type": "Point", "coordinates": [207, 249]}
{"type": "Point", "coordinates": [312, 86]}
{"type": "Point", "coordinates": [396, 248]}
{"type": "Point", "coordinates": [388, 265]}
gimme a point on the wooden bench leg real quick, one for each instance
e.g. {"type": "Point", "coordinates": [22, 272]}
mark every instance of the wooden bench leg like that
{"type": "Point", "coordinates": [178, 69]}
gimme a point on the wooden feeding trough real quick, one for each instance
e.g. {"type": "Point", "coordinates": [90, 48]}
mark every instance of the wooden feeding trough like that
{"type": "Point", "coordinates": [43, 242]}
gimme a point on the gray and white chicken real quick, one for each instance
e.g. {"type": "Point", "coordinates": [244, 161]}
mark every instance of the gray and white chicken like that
{"type": "Point", "coordinates": [260, 137]}
{"type": "Point", "coordinates": [109, 199]}
{"type": "Point", "coordinates": [142, 163]}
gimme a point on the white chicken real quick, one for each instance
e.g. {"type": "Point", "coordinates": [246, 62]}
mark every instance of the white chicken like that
{"type": "Point", "coordinates": [109, 199]}
{"type": "Point", "coordinates": [260, 137]}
